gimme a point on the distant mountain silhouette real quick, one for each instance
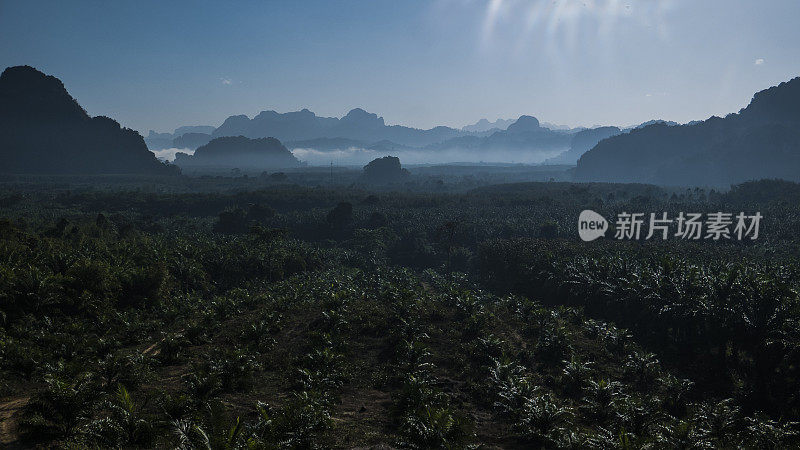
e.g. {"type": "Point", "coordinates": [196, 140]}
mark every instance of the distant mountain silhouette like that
{"type": "Point", "coordinates": [291, 126]}
{"type": "Point", "coordinates": [304, 125]}
{"type": "Point", "coordinates": [239, 152]}
{"type": "Point", "coordinates": [555, 127]}
{"type": "Point", "coordinates": [484, 125]}
{"type": "Point", "coordinates": [160, 141]}
{"type": "Point", "coordinates": [44, 130]}
{"type": "Point", "coordinates": [191, 140]}
{"type": "Point", "coordinates": [655, 122]}
{"type": "Point", "coordinates": [523, 138]}
{"type": "Point", "coordinates": [761, 141]}
{"type": "Point", "coordinates": [205, 129]}
{"type": "Point", "coordinates": [525, 135]}
{"type": "Point", "coordinates": [525, 124]}
{"type": "Point", "coordinates": [582, 142]}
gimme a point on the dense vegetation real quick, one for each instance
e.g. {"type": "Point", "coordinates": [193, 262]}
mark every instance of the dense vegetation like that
{"type": "Point", "coordinates": [259, 315]}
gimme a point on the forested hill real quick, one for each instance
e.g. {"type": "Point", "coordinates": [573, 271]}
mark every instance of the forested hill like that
{"type": "Point", "coordinates": [239, 151]}
{"type": "Point", "coordinates": [44, 130]}
{"type": "Point", "coordinates": [761, 141]}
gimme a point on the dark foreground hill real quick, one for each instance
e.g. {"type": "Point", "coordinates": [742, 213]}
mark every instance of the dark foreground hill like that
{"type": "Point", "coordinates": [240, 152]}
{"type": "Point", "coordinates": [44, 130]}
{"type": "Point", "coordinates": [761, 141]}
{"type": "Point", "coordinates": [384, 170]}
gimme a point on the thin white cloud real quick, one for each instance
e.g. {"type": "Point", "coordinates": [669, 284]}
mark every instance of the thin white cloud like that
{"type": "Point", "coordinates": [349, 156]}
{"type": "Point", "coordinates": [493, 13]}
{"type": "Point", "coordinates": [759, 62]}
{"type": "Point", "coordinates": [561, 22]}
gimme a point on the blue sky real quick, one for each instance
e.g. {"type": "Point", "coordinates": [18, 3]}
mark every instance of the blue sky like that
{"type": "Point", "coordinates": [158, 65]}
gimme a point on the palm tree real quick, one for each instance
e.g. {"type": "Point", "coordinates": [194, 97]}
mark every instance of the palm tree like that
{"type": "Point", "coordinates": [543, 421]}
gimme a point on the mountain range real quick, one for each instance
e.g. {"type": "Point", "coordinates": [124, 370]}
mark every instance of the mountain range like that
{"type": "Point", "coordinates": [177, 139]}
{"type": "Point", "coordinates": [484, 125]}
{"type": "Point", "coordinates": [523, 138]}
{"type": "Point", "coordinates": [492, 141]}
{"type": "Point", "coordinates": [304, 125]}
{"type": "Point", "coordinates": [44, 130]}
{"type": "Point", "coordinates": [525, 135]}
{"type": "Point", "coordinates": [762, 140]}
{"type": "Point", "coordinates": [581, 142]}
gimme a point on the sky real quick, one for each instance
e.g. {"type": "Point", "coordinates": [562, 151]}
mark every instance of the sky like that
{"type": "Point", "coordinates": [160, 65]}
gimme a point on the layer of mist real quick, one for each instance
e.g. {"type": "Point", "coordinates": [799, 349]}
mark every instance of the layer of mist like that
{"type": "Point", "coordinates": [360, 156]}
{"type": "Point", "coordinates": [168, 154]}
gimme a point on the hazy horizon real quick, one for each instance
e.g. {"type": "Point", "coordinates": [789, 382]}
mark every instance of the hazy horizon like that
{"type": "Point", "coordinates": [420, 64]}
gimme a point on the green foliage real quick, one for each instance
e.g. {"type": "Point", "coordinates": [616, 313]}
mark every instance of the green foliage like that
{"type": "Point", "coordinates": [341, 215]}
{"type": "Point", "coordinates": [298, 424]}
{"type": "Point", "coordinates": [139, 319]}
{"type": "Point", "coordinates": [63, 410]}
{"type": "Point", "coordinates": [125, 423]}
